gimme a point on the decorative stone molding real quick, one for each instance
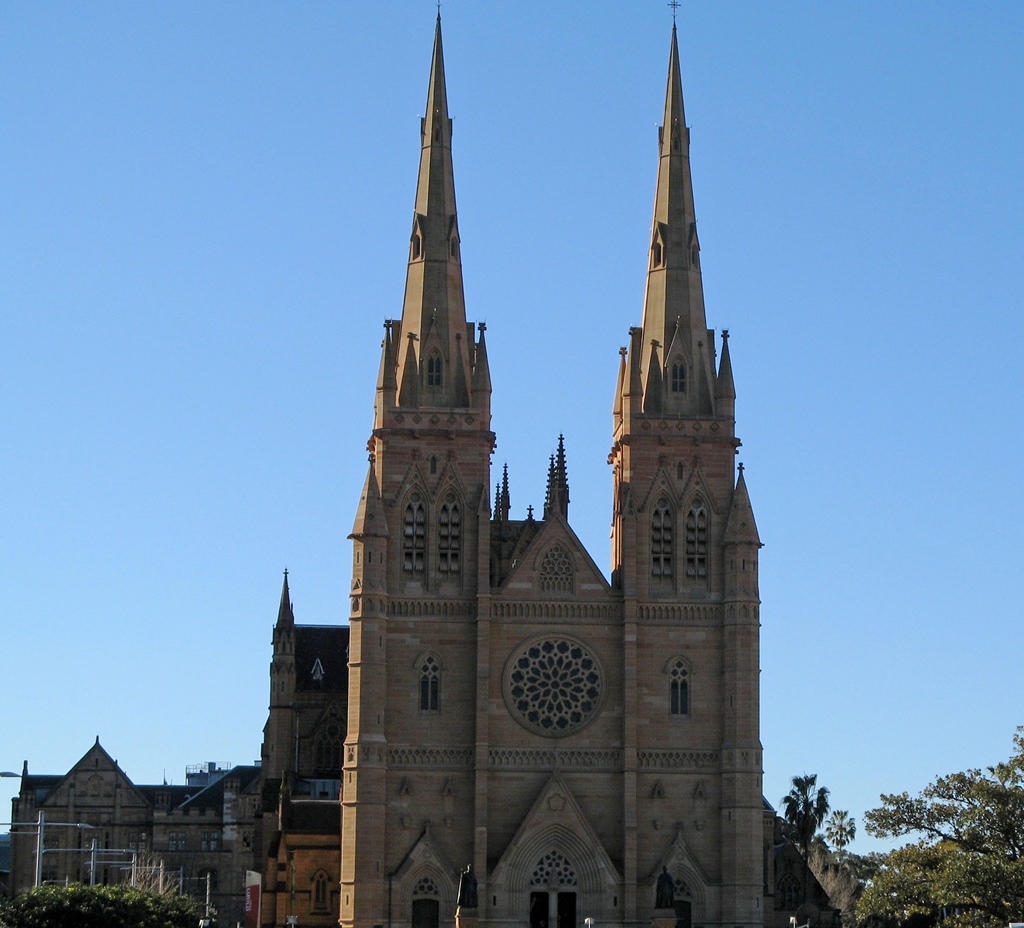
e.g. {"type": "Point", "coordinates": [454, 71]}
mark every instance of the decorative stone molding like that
{"type": "Point", "coordinates": [519, 610]}
{"type": "Point", "coordinates": [555, 758]}
{"type": "Point", "coordinates": [432, 607]}
{"type": "Point", "coordinates": [663, 760]}
{"type": "Point", "coordinates": [430, 757]}
{"type": "Point", "coordinates": [673, 613]}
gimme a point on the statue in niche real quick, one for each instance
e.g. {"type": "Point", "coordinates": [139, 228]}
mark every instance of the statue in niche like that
{"type": "Point", "coordinates": [665, 891]}
{"type": "Point", "coordinates": [467, 898]}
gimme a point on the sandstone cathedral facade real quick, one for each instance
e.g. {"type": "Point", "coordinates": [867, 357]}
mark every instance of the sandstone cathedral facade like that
{"type": "Point", "coordinates": [495, 701]}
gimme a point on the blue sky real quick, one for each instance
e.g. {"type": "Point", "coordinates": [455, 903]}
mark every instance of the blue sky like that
{"type": "Point", "coordinates": [204, 218]}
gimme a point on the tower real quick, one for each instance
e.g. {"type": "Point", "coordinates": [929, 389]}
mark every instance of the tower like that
{"type": "Point", "coordinates": [509, 708]}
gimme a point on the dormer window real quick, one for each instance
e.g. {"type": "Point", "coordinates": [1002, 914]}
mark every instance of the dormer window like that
{"type": "Point", "coordinates": [656, 255]}
{"type": "Point", "coordinates": [434, 370]}
{"type": "Point", "coordinates": [417, 247]}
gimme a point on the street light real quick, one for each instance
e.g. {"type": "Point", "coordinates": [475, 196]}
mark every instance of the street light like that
{"type": "Point", "coordinates": [41, 824]}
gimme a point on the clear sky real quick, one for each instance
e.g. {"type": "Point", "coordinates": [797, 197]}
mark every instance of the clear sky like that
{"type": "Point", "coordinates": [204, 219]}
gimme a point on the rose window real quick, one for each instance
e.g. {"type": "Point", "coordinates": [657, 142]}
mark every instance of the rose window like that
{"type": "Point", "coordinates": [553, 686]}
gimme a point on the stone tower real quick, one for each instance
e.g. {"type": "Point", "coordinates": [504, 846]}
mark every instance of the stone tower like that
{"type": "Point", "coordinates": [510, 709]}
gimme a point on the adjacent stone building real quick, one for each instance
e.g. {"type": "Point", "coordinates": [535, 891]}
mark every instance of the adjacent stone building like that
{"type": "Point", "coordinates": [190, 837]}
{"type": "Point", "coordinates": [570, 737]}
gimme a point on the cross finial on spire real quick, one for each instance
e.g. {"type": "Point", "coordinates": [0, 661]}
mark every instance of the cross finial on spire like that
{"type": "Point", "coordinates": [672, 3]}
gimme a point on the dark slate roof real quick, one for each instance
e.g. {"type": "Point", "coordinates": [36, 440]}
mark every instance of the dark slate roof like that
{"type": "Point", "coordinates": [40, 784]}
{"type": "Point", "coordinates": [327, 644]}
{"type": "Point", "coordinates": [176, 795]}
{"type": "Point", "coordinates": [212, 796]}
{"type": "Point", "coordinates": [314, 817]}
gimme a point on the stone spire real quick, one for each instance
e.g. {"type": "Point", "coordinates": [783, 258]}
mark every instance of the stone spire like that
{"type": "Point", "coordinates": [741, 527]}
{"type": "Point", "coordinates": [674, 300]}
{"type": "Point", "coordinates": [370, 519]}
{"type": "Point", "coordinates": [502, 500]}
{"type": "Point", "coordinates": [436, 343]}
{"type": "Point", "coordinates": [285, 615]}
{"type": "Point", "coordinates": [557, 496]}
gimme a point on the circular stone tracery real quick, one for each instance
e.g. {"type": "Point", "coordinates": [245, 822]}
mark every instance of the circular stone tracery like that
{"type": "Point", "coordinates": [553, 686]}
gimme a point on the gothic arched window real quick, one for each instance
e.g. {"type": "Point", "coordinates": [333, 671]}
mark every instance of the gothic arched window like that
{"type": "Point", "coordinates": [661, 540]}
{"type": "Point", "coordinates": [677, 377]}
{"type": "Point", "coordinates": [414, 537]}
{"type": "Point", "coordinates": [327, 743]}
{"type": "Point", "coordinates": [434, 370]}
{"type": "Point", "coordinates": [449, 537]}
{"type": "Point", "coordinates": [320, 891]}
{"type": "Point", "coordinates": [679, 688]}
{"type": "Point", "coordinates": [430, 684]}
{"type": "Point", "coordinates": [697, 541]}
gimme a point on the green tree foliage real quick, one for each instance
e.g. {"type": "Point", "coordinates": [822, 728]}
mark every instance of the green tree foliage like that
{"type": "Point", "coordinates": [967, 865]}
{"type": "Point", "coordinates": [97, 907]}
{"type": "Point", "coordinates": [840, 830]}
{"type": "Point", "coordinates": [804, 808]}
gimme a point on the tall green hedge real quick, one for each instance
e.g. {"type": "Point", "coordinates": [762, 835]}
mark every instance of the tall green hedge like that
{"type": "Point", "coordinates": [97, 907]}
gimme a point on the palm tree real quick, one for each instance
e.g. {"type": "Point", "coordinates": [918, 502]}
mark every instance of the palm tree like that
{"type": "Point", "coordinates": [805, 808]}
{"type": "Point", "coordinates": [840, 829]}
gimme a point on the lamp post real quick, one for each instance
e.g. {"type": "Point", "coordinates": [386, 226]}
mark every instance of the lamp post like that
{"type": "Point", "coordinates": [40, 828]}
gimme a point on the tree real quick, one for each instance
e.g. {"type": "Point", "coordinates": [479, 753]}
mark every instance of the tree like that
{"type": "Point", "coordinates": [804, 808]}
{"type": "Point", "coordinates": [80, 906]}
{"type": "Point", "coordinates": [840, 830]}
{"type": "Point", "coordinates": [967, 864]}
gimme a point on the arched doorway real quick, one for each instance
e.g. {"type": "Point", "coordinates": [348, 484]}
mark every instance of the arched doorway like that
{"type": "Point", "coordinates": [553, 893]}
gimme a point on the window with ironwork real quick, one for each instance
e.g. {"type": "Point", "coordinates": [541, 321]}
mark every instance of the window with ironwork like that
{"type": "Point", "coordinates": [430, 684]}
{"type": "Point", "coordinates": [414, 537]}
{"type": "Point", "coordinates": [434, 370]}
{"type": "Point", "coordinates": [661, 540]}
{"type": "Point", "coordinates": [697, 541]}
{"type": "Point", "coordinates": [449, 537]}
{"type": "Point", "coordinates": [677, 377]}
{"type": "Point", "coordinates": [679, 688]}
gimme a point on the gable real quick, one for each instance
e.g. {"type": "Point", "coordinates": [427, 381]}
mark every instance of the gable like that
{"type": "Point", "coordinates": [96, 780]}
{"type": "Point", "coordinates": [555, 566]}
{"type": "Point", "coordinates": [555, 835]}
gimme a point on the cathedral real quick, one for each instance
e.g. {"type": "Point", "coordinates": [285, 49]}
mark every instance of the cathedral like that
{"type": "Point", "coordinates": [503, 735]}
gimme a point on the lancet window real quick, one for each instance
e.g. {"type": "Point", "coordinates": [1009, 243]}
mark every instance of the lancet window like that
{"type": "Point", "coordinates": [677, 377]}
{"type": "Point", "coordinates": [697, 541]}
{"type": "Point", "coordinates": [414, 537]}
{"type": "Point", "coordinates": [449, 537]}
{"type": "Point", "coordinates": [434, 370]}
{"type": "Point", "coordinates": [320, 891]}
{"type": "Point", "coordinates": [430, 684]}
{"type": "Point", "coordinates": [679, 688]}
{"type": "Point", "coordinates": [661, 540]}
